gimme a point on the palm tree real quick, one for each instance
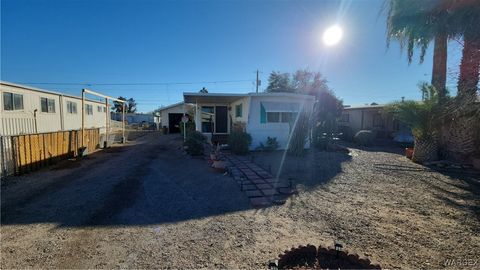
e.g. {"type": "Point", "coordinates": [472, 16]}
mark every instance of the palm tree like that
{"type": "Point", "coordinates": [415, 24]}
{"type": "Point", "coordinates": [465, 20]}
{"type": "Point", "coordinates": [422, 118]}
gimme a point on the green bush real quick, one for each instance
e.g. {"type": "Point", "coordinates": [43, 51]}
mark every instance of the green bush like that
{"type": "Point", "coordinates": [194, 143]}
{"type": "Point", "coordinates": [346, 133]}
{"type": "Point", "coordinates": [270, 145]}
{"type": "Point", "coordinates": [190, 127]}
{"type": "Point", "coordinates": [239, 142]}
{"type": "Point", "coordinates": [364, 137]}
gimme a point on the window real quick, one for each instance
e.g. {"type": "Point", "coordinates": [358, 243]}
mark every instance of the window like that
{"type": "Point", "coordinates": [345, 118]}
{"type": "Point", "coordinates": [208, 118]}
{"type": "Point", "coordinates": [99, 109]}
{"type": "Point", "coordinates": [281, 117]}
{"type": "Point", "coordinates": [288, 117]}
{"type": "Point", "coordinates": [47, 105]}
{"type": "Point", "coordinates": [238, 110]}
{"type": "Point", "coordinates": [12, 102]}
{"type": "Point", "coordinates": [89, 109]}
{"type": "Point", "coordinates": [273, 117]}
{"type": "Point", "coordinates": [71, 107]}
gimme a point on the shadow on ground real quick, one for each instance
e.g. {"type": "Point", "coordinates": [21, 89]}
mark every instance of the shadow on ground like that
{"type": "Point", "coordinates": [152, 182]}
{"type": "Point", "coordinates": [313, 169]}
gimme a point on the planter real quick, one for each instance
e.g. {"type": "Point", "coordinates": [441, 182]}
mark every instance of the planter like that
{"type": "Point", "coordinates": [409, 152]}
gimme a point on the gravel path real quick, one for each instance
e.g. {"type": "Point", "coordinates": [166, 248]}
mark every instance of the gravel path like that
{"type": "Point", "coordinates": [146, 205]}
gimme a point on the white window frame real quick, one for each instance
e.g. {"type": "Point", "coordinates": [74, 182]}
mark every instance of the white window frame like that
{"type": "Point", "coordinates": [12, 100]}
{"type": "Point", "coordinates": [49, 109]}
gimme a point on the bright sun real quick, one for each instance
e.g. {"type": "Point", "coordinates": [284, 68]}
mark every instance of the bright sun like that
{"type": "Point", "coordinates": [332, 35]}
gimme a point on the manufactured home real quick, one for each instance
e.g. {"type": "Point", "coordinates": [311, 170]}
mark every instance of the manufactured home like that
{"type": "Point", "coordinates": [28, 110]}
{"type": "Point", "coordinates": [261, 115]}
{"type": "Point", "coordinates": [370, 117]}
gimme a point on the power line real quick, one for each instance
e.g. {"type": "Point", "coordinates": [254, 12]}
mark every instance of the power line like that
{"type": "Point", "coordinates": [128, 84]}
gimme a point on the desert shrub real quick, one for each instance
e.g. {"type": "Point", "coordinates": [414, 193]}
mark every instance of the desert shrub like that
{"type": "Point", "coordinates": [189, 126]}
{"type": "Point", "coordinates": [270, 145]}
{"type": "Point", "coordinates": [320, 137]}
{"type": "Point", "coordinates": [364, 137]}
{"type": "Point", "coordinates": [346, 133]}
{"type": "Point", "coordinates": [299, 135]}
{"type": "Point", "coordinates": [194, 143]}
{"type": "Point", "coordinates": [239, 142]}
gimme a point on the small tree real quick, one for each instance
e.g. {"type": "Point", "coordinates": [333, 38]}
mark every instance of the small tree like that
{"type": "Point", "coordinates": [279, 82]}
{"type": "Point", "coordinates": [422, 118]}
{"type": "Point", "coordinates": [131, 105]}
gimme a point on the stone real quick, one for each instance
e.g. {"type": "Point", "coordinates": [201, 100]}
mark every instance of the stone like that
{"type": "Point", "coordinates": [259, 202]}
{"type": "Point", "coordinates": [253, 193]}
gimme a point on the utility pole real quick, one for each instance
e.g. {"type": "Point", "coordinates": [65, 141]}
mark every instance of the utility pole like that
{"type": "Point", "coordinates": [257, 83]}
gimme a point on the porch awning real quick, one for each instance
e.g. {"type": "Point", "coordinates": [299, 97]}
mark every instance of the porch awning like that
{"type": "Point", "coordinates": [211, 97]}
{"type": "Point", "coordinates": [281, 107]}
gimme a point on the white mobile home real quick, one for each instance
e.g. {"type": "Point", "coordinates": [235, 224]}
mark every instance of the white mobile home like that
{"type": "Point", "coordinates": [27, 110]}
{"type": "Point", "coordinates": [262, 115]}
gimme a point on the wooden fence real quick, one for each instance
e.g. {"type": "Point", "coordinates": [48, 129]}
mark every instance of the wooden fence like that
{"type": "Point", "coordinates": [26, 153]}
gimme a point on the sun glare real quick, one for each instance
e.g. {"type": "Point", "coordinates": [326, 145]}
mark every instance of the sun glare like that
{"type": "Point", "coordinates": [332, 35]}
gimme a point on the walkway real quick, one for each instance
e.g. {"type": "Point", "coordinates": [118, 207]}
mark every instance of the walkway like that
{"type": "Point", "coordinates": [260, 186]}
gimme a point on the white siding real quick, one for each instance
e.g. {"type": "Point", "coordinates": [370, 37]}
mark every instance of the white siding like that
{"type": "Point", "coordinates": [245, 102]}
{"type": "Point", "coordinates": [23, 121]}
{"type": "Point", "coordinates": [260, 131]}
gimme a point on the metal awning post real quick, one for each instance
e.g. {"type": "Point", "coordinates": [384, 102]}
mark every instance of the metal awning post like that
{"type": "Point", "coordinates": [123, 123]}
{"type": "Point", "coordinates": [83, 117]}
{"type": "Point", "coordinates": [107, 124]}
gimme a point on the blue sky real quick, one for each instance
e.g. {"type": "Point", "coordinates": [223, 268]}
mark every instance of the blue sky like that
{"type": "Point", "coordinates": [172, 42]}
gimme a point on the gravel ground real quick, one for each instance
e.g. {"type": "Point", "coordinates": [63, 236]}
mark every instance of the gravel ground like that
{"type": "Point", "coordinates": [146, 205]}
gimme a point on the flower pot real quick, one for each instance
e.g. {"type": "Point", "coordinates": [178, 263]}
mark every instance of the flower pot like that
{"type": "Point", "coordinates": [409, 152]}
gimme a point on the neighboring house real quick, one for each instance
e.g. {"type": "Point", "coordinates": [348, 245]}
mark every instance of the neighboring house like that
{"type": "Point", "coordinates": [262, 115]}
{"type": "Point", "coordinates": [27, 110]}
{"type": "Point", "coordinates": [171, 116]}
{"type": "Point", "coordinates": [370, 117]}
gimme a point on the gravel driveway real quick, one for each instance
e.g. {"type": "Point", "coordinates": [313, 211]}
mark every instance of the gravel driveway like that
{"type": "Point", "coordinates": [146, 205]}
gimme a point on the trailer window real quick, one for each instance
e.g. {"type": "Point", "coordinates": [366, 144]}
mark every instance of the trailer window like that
{"type": "Point", "coordinates": [71, 107]}
{"type": "Point", "coordinates": [47, 105]}
{"type": "Point", "coordinates": [12, 102]}
{"type": "Point", "coordinates": [89, 109]}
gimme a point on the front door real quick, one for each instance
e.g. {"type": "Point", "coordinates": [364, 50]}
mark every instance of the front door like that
{"type": "Point", "coordinates": [221, 119]}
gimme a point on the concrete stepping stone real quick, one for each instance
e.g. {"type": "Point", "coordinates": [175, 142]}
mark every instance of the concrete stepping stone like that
{"type": "Point", "coordinates": [264, 186]}
{"type": "Point", "coordinates": [253, 193]}
{"type": "Point", "coordinates": [269, 192]}
{"type": "Point", "coordinates": [260, 202]}
{"type": "Point", "coordinates": [249, 187]}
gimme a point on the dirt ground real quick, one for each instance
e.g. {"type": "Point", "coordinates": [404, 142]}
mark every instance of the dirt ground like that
{"type": "Point", "coordinates": [147, 205]}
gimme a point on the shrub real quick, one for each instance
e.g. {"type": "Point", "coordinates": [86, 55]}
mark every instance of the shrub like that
{"type": "Point", "coordinates": [239, 142]}
{"type": "Point", "coordinates": [364, 137]}
{"type": "Point", "coordinates": [346, 133]}
{"type": "Point", "coordinates": [270, 145]}
{"type": "Point", "coordinates": [194, 143]}
{"type": "Point", "coordinates": [299, 135]}
{"type": "Point", "coordinates": [190, 127]}
{"type": "Point", "coordinates": [320, 138]}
